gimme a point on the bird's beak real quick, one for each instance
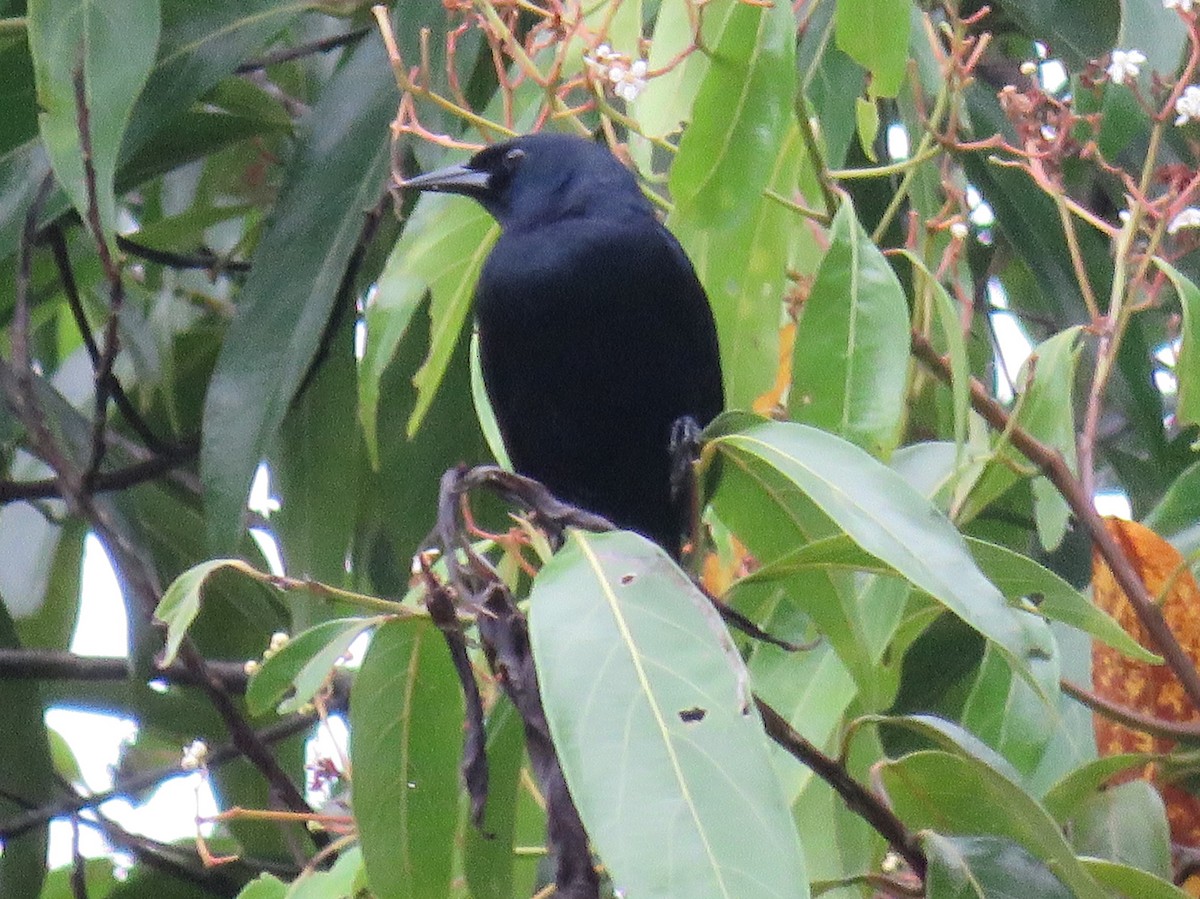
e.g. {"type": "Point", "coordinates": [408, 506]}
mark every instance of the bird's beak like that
{"type": "Point", "coordinates": [454, 179]}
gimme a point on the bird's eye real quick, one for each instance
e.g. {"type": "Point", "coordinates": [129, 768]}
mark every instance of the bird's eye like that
{"type": "Point", "coordinates": [513, 158]}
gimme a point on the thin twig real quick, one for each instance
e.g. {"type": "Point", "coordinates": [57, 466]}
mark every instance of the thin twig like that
{"type": "Point", "coordinates": [66, 274]}
{"type": "Point", "coordinates": [1131, 718]}
{"type": "Point", "coordinates": [286, 54]}
{"type": "Point", "coordinates": [221, 755]}
{"type": "Point", "coordinates": [112, 273]}
{"type": "Point", "coordinates": [116, 479]}
{"type": "Point", "coordinates": [204, 259]}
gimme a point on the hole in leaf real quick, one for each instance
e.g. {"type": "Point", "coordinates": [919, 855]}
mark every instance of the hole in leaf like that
{"type": "Point", "coordinates": [627, 579]}
{"type": "Point", "coordinates": [692, 715]}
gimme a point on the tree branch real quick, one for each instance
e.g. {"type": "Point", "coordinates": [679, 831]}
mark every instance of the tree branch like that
{"type": "Point", "coordinates": [1052, 464]}
{"type": "Point", "coordinates": [116, 479]}
{"type": "Point", "coordinates": [49, 664]}
{"type": "Point", "coordinates": [36, 817]}
{"type": "Point", "coordinates": [857, 797]}
{"type": "Point", "coordinates": [286, 54]}
{"type": "Point", "coordinates": [204, 259]}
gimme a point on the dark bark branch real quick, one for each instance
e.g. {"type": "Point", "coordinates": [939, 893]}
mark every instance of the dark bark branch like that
{"type": "Point", "coordinates": [204, 259]}
{"type": "Point", "coordinates": [116, 479]}
{"type": "Point", "coordinates": [858, 798]}
{"type": "Point", "coordinates": [286, 54]}
{"type": "Point", "coordinates": [36, 817]}
{"type": "Point", "coordinates": [116, 295]}
{"type": "Point", "coordinates": [49, 664]}
{"type": "Point", "coordinates": [1052, 464]}
{"type": "Point", "coordinates": [62, 260]}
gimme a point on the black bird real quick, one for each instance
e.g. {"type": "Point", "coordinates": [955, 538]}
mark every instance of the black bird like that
{"type": "Point", "coordinates": [595, 335]}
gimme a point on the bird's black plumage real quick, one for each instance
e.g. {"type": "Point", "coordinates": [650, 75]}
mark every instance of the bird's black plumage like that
{"type": "Point", "coordinates": [595, 334]}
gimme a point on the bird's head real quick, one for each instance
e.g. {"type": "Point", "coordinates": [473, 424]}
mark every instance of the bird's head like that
{"type": "Point", "coordinates": [538, 179]}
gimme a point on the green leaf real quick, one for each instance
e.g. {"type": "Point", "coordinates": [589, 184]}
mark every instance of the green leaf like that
{"type": "Point", "coordinates": [1131, 883]}
{"type": "Point", "coordinates": [264, 886]}
{"type": "Point", "coordinates": [1073, 30]}
{"type": "Point", "coordinates": [318, 466]}
{"type": "Point", "coordinates": [740, 114]}
{"type": "Point", "coordinates": [851, 359]}
{"type": "Point", "coordinates": [1065, 798]}
{"type": "Point", "coordinates": [1177, 514]}
{"type": "Point", "coordinates": [406, 714]}
{"type": "Point", "coordinates": [950, 326]}
{"type": "Point", "coordinates": [340, 882]}
{"type": "Point", "coordinates": [957, 794]}
{"type": "Point", "coordinates": [112, 47]}
{"type": "Point", "coordinates": [336, 175]}
{"type": "Point", "coordinates": [653, 723]}
{"type": "Point", "coordinates": [744, 271]}
{"type": "Point", "coordinates": [440, 253]}
{"type": "Point", "coordinates": [795, 465]}
{"type": "Point", "coordinates": [986, 868]}
{"type": "Point", "coordinates": [180, 604]}
{"type": "Point", "coordinates": [874, 33]}
{"type": "Point", "coordinates": [954, 738]}
{"type": "Point", "coordinates": [1018, 577]}
{"type": "Point", "coordinates": [303, 663]}
{"type": "Point", "coordinates": [1187, 367]}
{"type": "Point", "coordinates": [1125, 823]}
{"type": "Point", "coordinates": [488, 855]}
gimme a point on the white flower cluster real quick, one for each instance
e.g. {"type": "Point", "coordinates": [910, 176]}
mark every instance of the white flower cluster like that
{"type": "Point", "coordinates": [1187, 107]}
{"type": "Point", "coordinates": [626, 77]}
{"type": "Point", "coordinates": [1125, 64]}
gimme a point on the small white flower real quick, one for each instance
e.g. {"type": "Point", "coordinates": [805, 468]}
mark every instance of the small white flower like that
{"type": "Point", "coordinates": [959, 230]}
{"type": "Point", "coordinates": [1125, 64]}
{"type": "Point", "coordinates": [1029, 67]}
{"type": "Point", "coordinates": [1125, 216]}
{"type": "Point", "coordinates": [251, 667]}
{"type": "Point", "coordinates": [628, 82]}
{"type": "Point", "coordinates": [1188, 105]}
{"type": "Point", "coordinates": [1181, 5]}
{"type": "Point", "coordinates": [194, 756]}
{"type": "Point", "coordinates": [602, 59]}
{"type": "Point", "coordinates": [1188, 218]}
{"type": "Point", "coordinates": [279, 640]}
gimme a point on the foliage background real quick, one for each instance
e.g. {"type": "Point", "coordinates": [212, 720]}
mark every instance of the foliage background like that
{"type": "Point", "coordinates": [224, 283]}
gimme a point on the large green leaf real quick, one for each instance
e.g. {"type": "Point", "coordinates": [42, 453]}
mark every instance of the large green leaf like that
{"type": "Point", "coordinates": [654, 726]}
{"type": "Point", "coordinates": [986, 867]}
{"type": "Point", "coordinates": [1125, 823]}
{"type": "Point", "coordinates": [1073, 30]}
{"type": "Point", "coordinates": [851, 359]}
{"type": "Point", "coordinates": [740, 115]}
{"type": "Point", "coordinates": [796, 467]}
{"type": "Point", "coordinates": [957, 794]}
{"type": "Point", "coordinates": [199, 45]}
{"type": "Point", "coordinates": [439, 254]}
{"type": "Point", "coordinates": [406, 715]}
{"type": "Point", "coordinates": [112, 48]}
{"type": "Point", "coordinates": [744, 267]}
{"type": "Point", "coordinates": [337, 174]}
{"type": "Point", "coordinates": [874, 33]}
